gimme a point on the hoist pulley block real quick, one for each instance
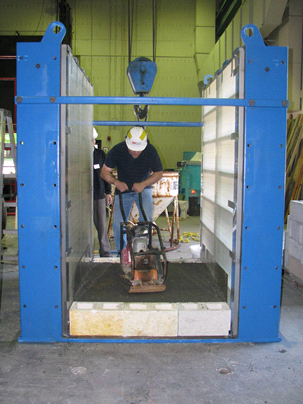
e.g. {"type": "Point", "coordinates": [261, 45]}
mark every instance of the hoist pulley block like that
{"type": "Point", "coordinates": [141, 74]}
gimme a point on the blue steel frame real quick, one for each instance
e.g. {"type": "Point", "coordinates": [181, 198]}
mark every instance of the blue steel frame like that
{"type": "Point", "coordinates": [38, 108]}
{"type": "Point", "coordinates": [38, 73]}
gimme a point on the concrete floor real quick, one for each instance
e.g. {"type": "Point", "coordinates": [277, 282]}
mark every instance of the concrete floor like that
{"type": "Point", "coordinates": [96, 373]}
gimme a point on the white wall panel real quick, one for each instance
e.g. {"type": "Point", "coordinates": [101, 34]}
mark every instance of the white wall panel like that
{"type": "Point", "coordinates": [219, 170]}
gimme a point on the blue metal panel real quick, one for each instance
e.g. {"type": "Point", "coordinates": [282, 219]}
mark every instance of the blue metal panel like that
{"type": "Point", "coordinates": [38, 73]}
{"type": "Point", "coordinates": [263, 188]}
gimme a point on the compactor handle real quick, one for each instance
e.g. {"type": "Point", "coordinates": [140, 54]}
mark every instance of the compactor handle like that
{"type": "Point", "coordinates": [141, 207]}
{"type": "Point", "coordinates": [121, 207]}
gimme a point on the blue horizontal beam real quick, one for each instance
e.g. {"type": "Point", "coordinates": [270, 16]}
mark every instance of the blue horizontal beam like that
{"type": "Point", "coordinates": [147, 123]}
{"type": "Point", "coordinates": [151, 101]}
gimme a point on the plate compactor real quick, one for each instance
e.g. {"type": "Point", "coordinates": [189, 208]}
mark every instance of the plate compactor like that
{"type": "Point", "coordinates": [145, 266]}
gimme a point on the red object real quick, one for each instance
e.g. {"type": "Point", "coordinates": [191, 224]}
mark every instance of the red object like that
{"type": "Point", "coordinates": [125, 256]}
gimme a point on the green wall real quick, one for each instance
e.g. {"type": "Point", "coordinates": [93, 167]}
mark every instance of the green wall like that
{"type": "Point", "coordinates": [101, 43]}
{"type": "Point", "coordinates": [185, 36]}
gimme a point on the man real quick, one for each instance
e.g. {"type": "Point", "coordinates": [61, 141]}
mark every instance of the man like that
{"type": "Point", "coordinates": [138, 167]}
{"type": "Point", "coordinates": [102, 196]}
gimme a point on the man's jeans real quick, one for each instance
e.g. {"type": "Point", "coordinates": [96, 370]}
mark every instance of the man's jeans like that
{"type": "Point", "coordinates": [128, 199]}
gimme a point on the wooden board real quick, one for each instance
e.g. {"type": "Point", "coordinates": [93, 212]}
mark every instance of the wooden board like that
{"type": "Point", "coordinates": [147, 289]}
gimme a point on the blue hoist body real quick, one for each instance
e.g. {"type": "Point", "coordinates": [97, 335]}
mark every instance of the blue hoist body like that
{"type": "Point", "coordinates": [141, 74]}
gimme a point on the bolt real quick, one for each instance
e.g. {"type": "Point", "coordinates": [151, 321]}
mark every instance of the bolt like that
{"type": "Point", "coordinates": [52, 99]}
{"type": "Point", "coordinates": [19, 99]}
{"type": "Point", "coordinates": [252, 102]}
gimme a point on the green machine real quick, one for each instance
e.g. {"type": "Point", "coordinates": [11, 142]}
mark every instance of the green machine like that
{"type": "Point", "coordinates": [190, 179]}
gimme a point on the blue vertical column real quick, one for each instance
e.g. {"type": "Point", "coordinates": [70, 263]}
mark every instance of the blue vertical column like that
{"type": "Point", "coordinates": [38, 74]}
{"type": "Point", "coordinates": [263, 189]}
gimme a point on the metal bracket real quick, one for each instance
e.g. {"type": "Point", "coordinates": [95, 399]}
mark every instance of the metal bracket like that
{"type": "Point", "coordinates": [55, 32]}
{"type": "Point", "coordinates": [251, 36]}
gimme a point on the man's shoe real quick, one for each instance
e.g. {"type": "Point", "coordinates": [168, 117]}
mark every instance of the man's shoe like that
{"type": "Point", "coordinates": [106, 255]}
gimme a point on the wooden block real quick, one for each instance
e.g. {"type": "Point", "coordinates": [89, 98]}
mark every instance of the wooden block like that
{"type": "Point", "coordinates": [150, 320]}
{"type": "Point", "coordinates": [96, 319]}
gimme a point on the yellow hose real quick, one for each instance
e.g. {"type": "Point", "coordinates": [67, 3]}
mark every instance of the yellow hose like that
{"type": "Point", "coordinates": [188, 235]}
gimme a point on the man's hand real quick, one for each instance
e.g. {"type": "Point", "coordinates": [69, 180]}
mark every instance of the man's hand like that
{"type": "Point", "coordinates": [109, 199]}
{"type": "Point", "coordinates": [138, 187]}
{"type": "Point", "coordinates": [121, 186]}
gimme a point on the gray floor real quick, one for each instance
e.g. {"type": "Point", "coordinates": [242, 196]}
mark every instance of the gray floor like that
{"type": "Point", "coordinates": [127, 373]}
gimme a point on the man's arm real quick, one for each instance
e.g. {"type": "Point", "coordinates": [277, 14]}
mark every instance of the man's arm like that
{"type": "Point", "coordinates": [106, 174]}
{"type": "Point", "coordinates": [107, 189]}
{"type": "Point", "coordinates": [155, 177]}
